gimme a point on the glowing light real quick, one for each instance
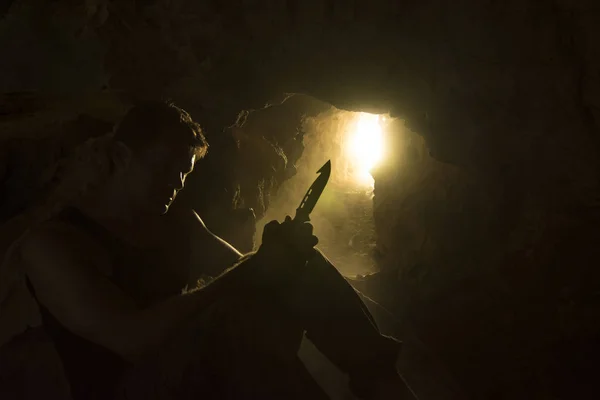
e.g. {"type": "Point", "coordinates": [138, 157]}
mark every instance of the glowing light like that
{"type": "Point", "coordinates": [366, 146]}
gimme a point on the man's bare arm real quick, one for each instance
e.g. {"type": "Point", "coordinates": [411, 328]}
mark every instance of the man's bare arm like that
{"type": "Point", "coordinates": [87, 303]}
{"type": "Point", "coordinates": [209, 253]}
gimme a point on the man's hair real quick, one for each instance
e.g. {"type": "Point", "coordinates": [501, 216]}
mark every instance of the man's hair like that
{"type": "Point", "coordinates": [153, 121]}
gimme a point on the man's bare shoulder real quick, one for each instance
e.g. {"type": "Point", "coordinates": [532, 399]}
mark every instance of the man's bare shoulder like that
{"type": "Point", "coordinates": [65, 274]}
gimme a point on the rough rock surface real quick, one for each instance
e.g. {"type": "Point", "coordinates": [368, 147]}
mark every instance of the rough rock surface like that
{"type": "Point", "coordinates": [490, 235]}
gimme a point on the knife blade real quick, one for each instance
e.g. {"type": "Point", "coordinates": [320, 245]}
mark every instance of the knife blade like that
{"type": "Point", "coordinates": [309, 201]}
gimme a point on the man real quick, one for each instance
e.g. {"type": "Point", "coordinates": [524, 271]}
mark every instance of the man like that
{"type": "Point", "coordinates": [108, 273]}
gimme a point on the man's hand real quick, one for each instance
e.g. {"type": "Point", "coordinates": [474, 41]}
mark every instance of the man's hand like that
{"type": "Point", "coordinates": [285, 249]}
{"type": "Point", "coordinates": [290, 242]}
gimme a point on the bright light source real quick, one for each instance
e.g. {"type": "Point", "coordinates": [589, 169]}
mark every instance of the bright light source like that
{"type": "Point", "coordinates": [366, 146]}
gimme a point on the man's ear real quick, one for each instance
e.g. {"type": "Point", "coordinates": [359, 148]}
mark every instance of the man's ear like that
{"type": "Point", "coordinates": [121, 155]}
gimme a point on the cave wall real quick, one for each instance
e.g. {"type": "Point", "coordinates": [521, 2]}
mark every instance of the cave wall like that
{"type": "Point", "coordinates": [505, 94]}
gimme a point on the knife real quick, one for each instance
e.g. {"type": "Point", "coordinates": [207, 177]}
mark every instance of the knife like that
{"type": "Point", "coordinates": [313, 194]}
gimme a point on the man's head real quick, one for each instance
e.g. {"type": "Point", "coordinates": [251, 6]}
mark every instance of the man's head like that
{"type": "Point", "coordinates": [157, 146]}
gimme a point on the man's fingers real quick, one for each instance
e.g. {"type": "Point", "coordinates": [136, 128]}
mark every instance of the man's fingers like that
{"type": "Point", "coordinates": [304, 234]}
{"type": "Point", "coordinates": [309, 228]}
{"type": "Point", "coordinates": [303, 229]}
{"type": "Point", "coordinates": [310, 241]}
{"type": "Point", "coordinates": [304, 238]}
{"type": "Point", "coordinates": [271, 228]}
{"type": "Point", "coordinates": [298, 236]}
{"type": "Point", "coordinates": [272, 224]}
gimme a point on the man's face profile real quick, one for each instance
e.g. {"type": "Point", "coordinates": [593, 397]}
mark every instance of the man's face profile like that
{"type": "Point", "coordinates": [156, 173]}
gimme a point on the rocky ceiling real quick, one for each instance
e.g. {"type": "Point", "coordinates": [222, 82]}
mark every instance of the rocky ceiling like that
{"type": "Point", "coordinates": [479, 79]}
{"type": "Point", "coordinates": [498, 270]}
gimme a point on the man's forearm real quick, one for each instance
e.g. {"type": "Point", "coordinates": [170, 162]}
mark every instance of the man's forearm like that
{"type": "Point", "coordinates": [157, 323]}
{"type": "Point", "coordinates": [215, 266]}
{"type": "Point", "coordinates": [211, 255]}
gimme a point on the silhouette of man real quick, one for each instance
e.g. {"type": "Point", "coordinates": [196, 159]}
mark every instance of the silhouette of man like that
{"type": "Point", "coordinates": [108, 272]}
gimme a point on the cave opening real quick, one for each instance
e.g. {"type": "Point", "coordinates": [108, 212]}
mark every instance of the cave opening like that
{"type": "Point", "coordinates": [355, 142]}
